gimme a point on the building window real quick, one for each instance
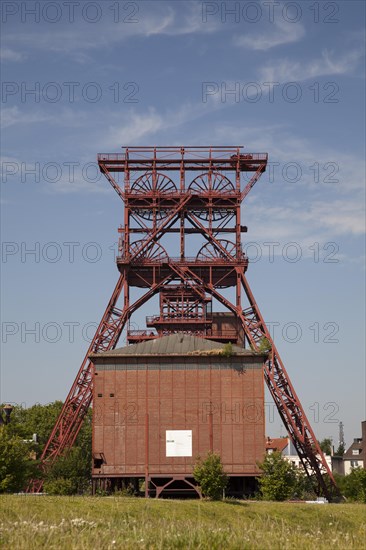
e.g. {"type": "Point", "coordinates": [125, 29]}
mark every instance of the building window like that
{"type": "Point", "coordinates": [354, 463]}
{"type": "Point", "coordinates": [355, 451]}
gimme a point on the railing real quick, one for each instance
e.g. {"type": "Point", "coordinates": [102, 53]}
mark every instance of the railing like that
{"type": "Point", "coordinates": [177, 193]}
{"type": "Point", "coordinates": [146, 333]}
{"type": "Point", "coordinates": [189, 154]}
{"type": "Point", "coordinates": [163, 152]}
{"type": "Point", "coordinates": [139, 333]}
{"type": "Point", "coordinates": [257, 156]}
{"type": "Point", "coordinates": [111, 156]}
{"type": "Point", "coordinates": [182, 262]}
{"type": "Point", "coordinates": [177, 319]}
{"type": "Point", "coordinates": [223, 334]}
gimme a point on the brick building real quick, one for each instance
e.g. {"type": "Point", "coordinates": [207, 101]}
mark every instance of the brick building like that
{"type": "Point", "coordinates": [160, 403]}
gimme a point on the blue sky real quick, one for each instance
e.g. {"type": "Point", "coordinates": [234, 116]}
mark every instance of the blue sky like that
{"type": "Point", "coordinates": [284, 78]}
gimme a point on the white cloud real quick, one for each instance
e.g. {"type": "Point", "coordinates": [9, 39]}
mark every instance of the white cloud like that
{"type": "Point", "coordinates": [161, 19]}
{"type": "Point", "coordinates": [282, 32]}
{"type": "Point", "coordinates": [80, 178]}
{"type": "Point", "coordinates": [11, 116]}
{"type": "Point", "coordinates": [136, 128]}
{"type": "Point", "coordinates": [8, 54]}
{"type": "Point", "coordinates": [341, 216]}
{"type": "Point", "coordinates": [318, 221]}
{"type": "Point", "coordinates": [78, 185]}
{"type": "Point", "coordinates": [191, 21]}
{"type": "Point", "coordinates": [285, 70]}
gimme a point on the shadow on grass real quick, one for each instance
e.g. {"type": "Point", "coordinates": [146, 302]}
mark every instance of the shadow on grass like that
{"type": "Point", "coordinates": [235, 502]}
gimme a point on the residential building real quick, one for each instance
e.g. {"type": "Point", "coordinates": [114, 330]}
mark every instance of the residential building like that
{"type": "Point", "coordinates": [355, 456]}
{"type": "Point", "coordinates": [288, 451]}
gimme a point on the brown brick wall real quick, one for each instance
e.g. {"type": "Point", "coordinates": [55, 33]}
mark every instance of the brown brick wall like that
{"type": "Point", "coordinates": [146, 403]}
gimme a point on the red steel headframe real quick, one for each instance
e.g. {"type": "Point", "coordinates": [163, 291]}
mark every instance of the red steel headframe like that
{"type": "Point", "coordinates": [207, 202]}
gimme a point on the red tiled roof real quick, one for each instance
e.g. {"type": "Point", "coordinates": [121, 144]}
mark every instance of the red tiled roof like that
{"type": "Point", "coordinates": [277, 444]}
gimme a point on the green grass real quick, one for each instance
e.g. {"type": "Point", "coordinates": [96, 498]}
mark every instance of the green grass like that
{"type": "Point", "coordinates": [29, 522]}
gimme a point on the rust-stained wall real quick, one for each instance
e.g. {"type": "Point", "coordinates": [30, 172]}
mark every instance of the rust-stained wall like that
{"type": "Point", "coordinates": [224, 408]}
{"type": "Point", "coordinates": [224, 323]}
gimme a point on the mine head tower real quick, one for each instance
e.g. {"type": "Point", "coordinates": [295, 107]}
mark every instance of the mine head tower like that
{"type": "Point", "coordinates": [181, 197]}
{"type": "Point", "coordinates": [181, 240]}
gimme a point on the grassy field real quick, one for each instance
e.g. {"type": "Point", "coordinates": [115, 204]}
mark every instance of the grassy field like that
{"type": "Point", "coordinates": [115, 522]}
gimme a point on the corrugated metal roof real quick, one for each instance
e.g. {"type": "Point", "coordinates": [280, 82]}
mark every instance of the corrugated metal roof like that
{"type": "Point", "coordinates": [174, 344]}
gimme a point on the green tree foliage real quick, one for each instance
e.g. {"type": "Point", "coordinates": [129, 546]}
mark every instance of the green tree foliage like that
{"type": "Point", "coordinates": [60, 486]}
{"type": "Point", "coordinates": [264, 345]}
{"type": "Point", "coordinates": [84, 438]}
{"type": "Point", "coordinates": [16, 466]}
{"type": "Point", "coordinates": [341, 450]}
{"type": "Point", "coordinates": [326, 445]}
{"type": "Point", "coordinates": [227, 350]}
{"type": "Point", "coordinates": [210, 476]}
{"type": "Point", "coordinates": [281, 480]}
{"type": "Point", "coordinates": [353, 486]}
{"type": "Point", "coordinates": [38, 419]}
{"type": "Point", "coordinates": [70, 473]}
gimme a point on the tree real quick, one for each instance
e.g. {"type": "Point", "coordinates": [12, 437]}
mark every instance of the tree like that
{"type": "Point", "coordinates": [353, 486]}
{"type": "Point", "coordinates": [281, 479]}
{"type": "Point", "coordinates": [341, 450]}
{"type": "Point", "coordinates": [210, 476]}
{"type": "Point", "coordinates": [71, 473]}
{"type": "Point", "coordinates": [326, 445]}
{"type": "Point", "coordinates": [16, 466]}
{"type": "Point", "coordinates": [39, 419]}
{"type": "Point", "coordinates": [60, 486]}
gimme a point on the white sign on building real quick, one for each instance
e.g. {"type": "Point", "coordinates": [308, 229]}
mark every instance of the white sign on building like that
{"type": "Point", "coordinates": [178, 442]}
